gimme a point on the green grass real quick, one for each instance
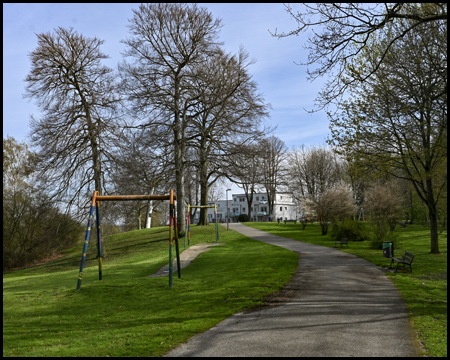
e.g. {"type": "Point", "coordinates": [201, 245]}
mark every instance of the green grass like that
{"type": "Point", "coordinates": [424, 290]}
{"type": "Point", "coordinates": [128, 313]}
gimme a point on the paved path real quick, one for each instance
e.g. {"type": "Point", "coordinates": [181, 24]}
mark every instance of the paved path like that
{"type": "Point", "coordinates": [186, 256]}
{"type": "Point", "coordinates": [337, 305]}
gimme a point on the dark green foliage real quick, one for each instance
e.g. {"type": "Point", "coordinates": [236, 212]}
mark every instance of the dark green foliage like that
{"type": "Point", "coordinates": [243, 218]}
{"type": "Point", "coordinates": [363, 231]}
{"type": "Point", "coordinates": [377, 239]}
{"type": "Point", "coordinates": [350, 229]}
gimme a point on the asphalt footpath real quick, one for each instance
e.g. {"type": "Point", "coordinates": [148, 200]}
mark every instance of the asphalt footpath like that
{"type": "Point", "coordinates": [335, 305]}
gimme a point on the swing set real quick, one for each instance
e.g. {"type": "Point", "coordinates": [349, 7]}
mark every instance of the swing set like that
{"type": "Point", "coordinates": [95, 204]}
{"type": "Point", "coordinates": [187, 234]}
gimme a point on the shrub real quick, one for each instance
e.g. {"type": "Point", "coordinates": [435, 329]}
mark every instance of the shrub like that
{"type": "Point", "coordinates": [384, 206]}
{"type": "Point", "coordinates": [377, 239]}
{"type": "Point", "coordinates": [243, 218]}
{"type": "Point", "coordinates": [350, 229]}
{"type": "Point", "coordinates": [334, 204]}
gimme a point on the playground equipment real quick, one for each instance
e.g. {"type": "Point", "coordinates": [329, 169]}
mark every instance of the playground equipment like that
{"type": "Point", "coordinates": [96, 198]}
{"type": "Point", "coordinates": [187, 234]}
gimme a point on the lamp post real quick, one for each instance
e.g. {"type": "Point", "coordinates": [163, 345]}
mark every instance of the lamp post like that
{"type": "Point", "coordinates": [228, 219]}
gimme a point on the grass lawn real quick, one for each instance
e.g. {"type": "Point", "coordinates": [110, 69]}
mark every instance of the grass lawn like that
{"type": "Point", "coordinates": [128, 313]}
{"type": "Point", "coordinates": [424, 290]}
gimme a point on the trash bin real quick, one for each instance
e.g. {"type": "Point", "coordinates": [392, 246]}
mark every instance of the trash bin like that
{"type": "Point", "coordinates": [388, 249]}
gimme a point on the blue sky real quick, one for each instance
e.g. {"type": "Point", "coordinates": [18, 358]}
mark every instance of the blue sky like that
{"type": "Point", "coordinates": [280, 80]}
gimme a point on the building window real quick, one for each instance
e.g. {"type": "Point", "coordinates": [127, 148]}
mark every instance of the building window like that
{"type": "Point", "coordinates": [243, 210]}
{"type": "Point", "coordinates": [257, 198]}
{"type": "Point", "coordinates": [281, 208]}
{"type": "Point", "coordinates": [241, 199]}
{"type": "Point", "coordinates": [285, 208]}
{"type": "Point", "coordinates": [281, 198]}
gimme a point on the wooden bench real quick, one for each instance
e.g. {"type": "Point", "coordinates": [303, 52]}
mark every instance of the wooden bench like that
{"type": "Point", "coordinates": [406, 259]}
{"type": "Point", "coordinates": [341, 242]}
{"type": "Point", "coordinates": [294, 221]}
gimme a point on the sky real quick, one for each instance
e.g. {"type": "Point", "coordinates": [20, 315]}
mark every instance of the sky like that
{"type": "Point", "coordinates": [282, 82]}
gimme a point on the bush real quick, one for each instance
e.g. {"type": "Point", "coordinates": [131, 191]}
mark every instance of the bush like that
{"type": "Point", "coordinates": [378, 236]}
{"type": "Point", "coordinates": [377, 241]}
{"type": "Point", "coordinates": [350, 229]}
{"type": "Point", "coordinates": [243, 218]}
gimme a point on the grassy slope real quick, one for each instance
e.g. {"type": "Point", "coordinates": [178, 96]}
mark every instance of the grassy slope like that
{"type": "Point", "coordinates": [424, 290]}
{"type": "Point", "coordinates": [128, 313]}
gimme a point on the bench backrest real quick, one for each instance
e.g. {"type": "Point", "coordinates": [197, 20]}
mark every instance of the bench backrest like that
{"type": "Point", "coordinates": [408, 257]}
{"type": "Point", "coordinates": [344, 240]}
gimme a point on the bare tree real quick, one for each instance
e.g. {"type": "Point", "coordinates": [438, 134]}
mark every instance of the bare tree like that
{"type": "Point", "coordinates": [229, 111]}
{"type": "Point", "coordinates": [333, 205]}
{"type": "Point", "coordinates": [273, 152]}
{"type": "Point", "coordinates": [346, 30]}
{"type": "Point", "coordinates": [384, 205]}
{"type": "Point", "coordinates": [78, 98]}
{"type": "Point", "coordinates": [245, 168]}
{"type": "Point", "coordinates": [168, 42]}
{"type": "Point", "coordinates": [140, 168]}
{"type": "Point", "coordinates": [312, 172]}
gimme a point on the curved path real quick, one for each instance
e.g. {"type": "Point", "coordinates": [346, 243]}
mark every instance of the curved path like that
{"type": "Point", "coordinates": [335, 305]}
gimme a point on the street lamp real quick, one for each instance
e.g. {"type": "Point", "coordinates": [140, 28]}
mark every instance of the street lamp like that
{"type": "Point", "coordinates": [228, 219]}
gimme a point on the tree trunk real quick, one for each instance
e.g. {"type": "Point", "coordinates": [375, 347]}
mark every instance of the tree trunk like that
{"type": "Point", "coordinates": [148, 216]}
{"type": "Point", "coordinates": [179, 148]}
{"type": "Point", "coordinates": [97, 166]}
{"type": "Point", "coordinates": [411, 205]}
{"type": "Point", "coordinates": [181, 213]}
{"type": "Point", "coordinates": [203, 184]}
{"type": "Point", "coordinates": [270, 202]}
{"type": "Point", "coordinates": [432, 214]}
{"type": "Point", "coordinates": [324, 226]}
{"type": "Point", "coordinates": [203, 201]}
{"type": "Point", "coordinates": [93, 138]}
{"type": "Point", "coordinates": [249, 210]}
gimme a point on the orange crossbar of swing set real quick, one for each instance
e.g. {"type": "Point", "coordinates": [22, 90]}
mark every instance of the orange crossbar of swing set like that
{"type": "Point", "coordinates": [130, 197]}
{"type": "Point", "coordinates": [172, 197]}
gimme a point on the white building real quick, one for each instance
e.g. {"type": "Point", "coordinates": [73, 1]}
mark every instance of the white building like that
{"type": "Point", "coordinates": [284, 208]}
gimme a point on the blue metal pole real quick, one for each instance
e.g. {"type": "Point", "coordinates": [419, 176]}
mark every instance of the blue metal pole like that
{"type": "Point", "coordinates": [177, 248]}
{"type": "Point", "coordinates": [189, 228]}
{"type": "Point", "coordinates": [171, 211]}
{"type": "Point", "coordinates": [217, 225]}
{"type": "Point", "coordinates": [99, 243]}
{"type": "Point", "coordinates": [86, 241]}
